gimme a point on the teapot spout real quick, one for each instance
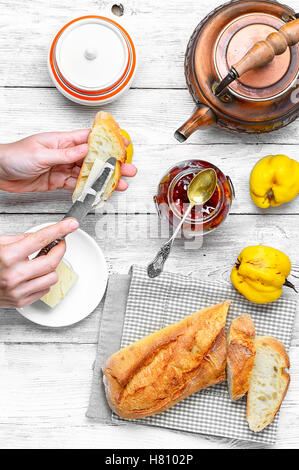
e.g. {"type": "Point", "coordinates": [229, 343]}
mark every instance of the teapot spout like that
{"type": "Point", "coordinates": [202, 117]}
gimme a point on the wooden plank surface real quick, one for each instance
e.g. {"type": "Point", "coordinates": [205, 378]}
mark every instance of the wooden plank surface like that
{"type": "Point", "coordinates": [151, 116]}
{"type": "Point", "coordinates": [45, 397]}
{"type": "Point", "coordinates": [160, 30]}
{"type": "Point", "coordinates": [138, 244]}
{"type": "Point", "coordinates": [142, 113]}
{"type": "Point", "coordinates": [153, 161]}
{"type": "Point", "coordinates": [45, 375]}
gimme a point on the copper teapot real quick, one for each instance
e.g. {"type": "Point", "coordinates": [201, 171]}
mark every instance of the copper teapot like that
{"type": "Point", "coordinates": [241, 68]}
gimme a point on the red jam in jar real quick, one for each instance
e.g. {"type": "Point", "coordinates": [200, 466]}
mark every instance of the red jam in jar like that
{"type": "Point", "coordinates": [181, 200]}
{"type": "Point", "coordinates": [172, 200]}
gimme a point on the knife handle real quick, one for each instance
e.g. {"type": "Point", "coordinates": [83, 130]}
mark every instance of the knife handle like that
{"type": "Point", "coordinates": [77, 211]}
{"type": "Point", "coordinates": [44, 251]}
{"type": "Point", "coordinates": [81, 208]}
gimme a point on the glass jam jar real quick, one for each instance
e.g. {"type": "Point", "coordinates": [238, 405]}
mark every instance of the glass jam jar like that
{"type": "Point", "coordinates": [172, 200]}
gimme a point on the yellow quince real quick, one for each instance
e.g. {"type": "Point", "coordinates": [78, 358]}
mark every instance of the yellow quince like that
{"type": "Point", "coordinates": [260, 273]}
{"type": "Point", "coordinates": [274, 180]}
{"type": "Point", "coordinates": [130, 149]}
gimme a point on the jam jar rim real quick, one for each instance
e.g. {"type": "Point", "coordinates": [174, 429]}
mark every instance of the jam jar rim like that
{"type": "Point", "coordinates": [189, 219]}
{"type": "Point", "coordinates": [221, 198]}
{"type": "Point", "coordinates": [170, 168]}
{"type": "Point", "coordinates": [189, 162]}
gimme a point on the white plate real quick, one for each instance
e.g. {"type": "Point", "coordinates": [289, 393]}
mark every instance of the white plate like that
{"type": "Point", "coordinates": [88, 261]}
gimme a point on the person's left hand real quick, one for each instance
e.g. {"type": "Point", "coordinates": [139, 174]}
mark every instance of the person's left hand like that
{"type": "Point", "coordinates": [48, 161]}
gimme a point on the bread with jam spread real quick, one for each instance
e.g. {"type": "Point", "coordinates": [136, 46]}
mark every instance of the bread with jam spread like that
{"type": "Point", "coordinates": [158, 371]}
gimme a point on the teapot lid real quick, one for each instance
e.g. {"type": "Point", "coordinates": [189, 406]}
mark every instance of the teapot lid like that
{"type": "Point", "coordinates": [236, 39]}
{"type": "Point", "coordinates": [92, 58]}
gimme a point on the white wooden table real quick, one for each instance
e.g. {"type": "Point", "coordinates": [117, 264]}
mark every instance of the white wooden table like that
{"type": "Point", "coordinates": [45, 375]}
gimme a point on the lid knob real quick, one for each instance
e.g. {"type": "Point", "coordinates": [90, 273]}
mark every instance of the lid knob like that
{"type": "Point", "coordinates": [262, 53]}
{"type": "Point", "coordinates": [90, 53]}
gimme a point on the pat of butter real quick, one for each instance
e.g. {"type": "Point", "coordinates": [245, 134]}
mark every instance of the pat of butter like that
{"type": "Point", "coordinates": [67, 278]}
{"type": "Point", "coordinates": [93, 175]}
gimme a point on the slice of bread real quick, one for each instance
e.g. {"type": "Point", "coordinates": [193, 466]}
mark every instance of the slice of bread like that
{"type": "Point", "coordinates": [240, 356]}
{"type": "Point", "coordinates": [105, 141]}
{"type": "Point", "coordinates": [269, 382]}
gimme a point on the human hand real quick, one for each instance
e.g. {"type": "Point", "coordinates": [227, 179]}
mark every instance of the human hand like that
{"type": "Point", "coordinates": [23, 281]}
{"type": "Point", "coordinates": [48, 161]}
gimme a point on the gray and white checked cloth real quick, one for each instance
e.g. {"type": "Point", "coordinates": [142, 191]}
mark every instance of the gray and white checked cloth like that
{"type": "Point", "coordinates": [153, 304]}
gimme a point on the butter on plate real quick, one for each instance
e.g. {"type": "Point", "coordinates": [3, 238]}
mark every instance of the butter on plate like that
{"type": "Point", "coordinates": [67, 278]}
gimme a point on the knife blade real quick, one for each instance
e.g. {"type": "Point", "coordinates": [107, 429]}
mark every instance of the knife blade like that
{"type": "Point", "coordinates": [88, 199]}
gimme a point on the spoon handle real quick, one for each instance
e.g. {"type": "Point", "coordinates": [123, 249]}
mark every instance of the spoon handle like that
{"type": "Point", "coordinates": [155, 268]}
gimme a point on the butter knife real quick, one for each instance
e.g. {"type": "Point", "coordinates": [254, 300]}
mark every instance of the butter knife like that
{"type": "Point", "coordinates": [89, 198]}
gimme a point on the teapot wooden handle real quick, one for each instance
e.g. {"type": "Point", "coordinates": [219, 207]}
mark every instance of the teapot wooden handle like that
{"type": "Point", "coordinates": [264, 52]}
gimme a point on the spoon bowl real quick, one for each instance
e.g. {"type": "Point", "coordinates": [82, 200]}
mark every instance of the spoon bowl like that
{"type": "Point", "coordinates": [202, 186]}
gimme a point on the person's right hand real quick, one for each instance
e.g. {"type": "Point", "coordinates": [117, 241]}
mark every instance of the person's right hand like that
{"type": "Point", "coordinates": [23, 281]}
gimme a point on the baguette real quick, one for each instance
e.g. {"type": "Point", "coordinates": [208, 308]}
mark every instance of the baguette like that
{"type": "Point", "coordinates": [105, 141]}
{"type": "Point", "coordinates": [158, 371]}
{"type": "Point", "coordinates": [240, 356]}
{"type": "Point", "coordinates": [269, 382]}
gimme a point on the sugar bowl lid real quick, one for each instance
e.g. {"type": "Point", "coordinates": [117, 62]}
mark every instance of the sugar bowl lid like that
{"type": "Point", "coordinates": [92, 59]}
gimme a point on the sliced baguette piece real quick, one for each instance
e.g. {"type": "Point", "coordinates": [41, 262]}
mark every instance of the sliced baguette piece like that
{"type": "Point", "coordinates": [163, 368]}
{"type": "Point", "coordinates": [105, 141]}
{"type": "Point", "coordinates": [240, 356]}
{"type": "Point", "coordinates": [269, 382]}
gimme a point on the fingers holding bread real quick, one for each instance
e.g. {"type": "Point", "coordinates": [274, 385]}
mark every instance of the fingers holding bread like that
{"type": "Point", "coordinates": [240, 356]}
{"type": "Point", "coordinates": [105, 140]}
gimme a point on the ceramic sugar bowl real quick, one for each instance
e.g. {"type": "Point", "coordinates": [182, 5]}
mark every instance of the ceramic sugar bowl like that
{"type": "Point", "coordinates": [92, 60]}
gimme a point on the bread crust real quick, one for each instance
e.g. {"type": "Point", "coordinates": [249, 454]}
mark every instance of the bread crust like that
{"type": "Point", "coordinates": [240, 356]}
{"type": "Point", "coordinates": [108, 125]}
{"type": "Point", "coordinates": [276, 345]}
{"type": "Point", "coordinates": [158, 371]}
{"type": "Point", "coordinates": [280, 349]}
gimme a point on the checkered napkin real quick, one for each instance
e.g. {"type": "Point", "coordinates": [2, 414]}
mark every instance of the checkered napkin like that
{"type": "Point", "coordinates": [153, 304]}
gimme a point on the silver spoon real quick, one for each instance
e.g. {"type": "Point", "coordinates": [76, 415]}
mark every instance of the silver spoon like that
{"type": "Point", "coordinates": [200, 190]}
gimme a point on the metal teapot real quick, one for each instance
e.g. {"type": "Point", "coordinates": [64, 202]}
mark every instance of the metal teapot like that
{"type": "Point", "coordinates": [241, 68]}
